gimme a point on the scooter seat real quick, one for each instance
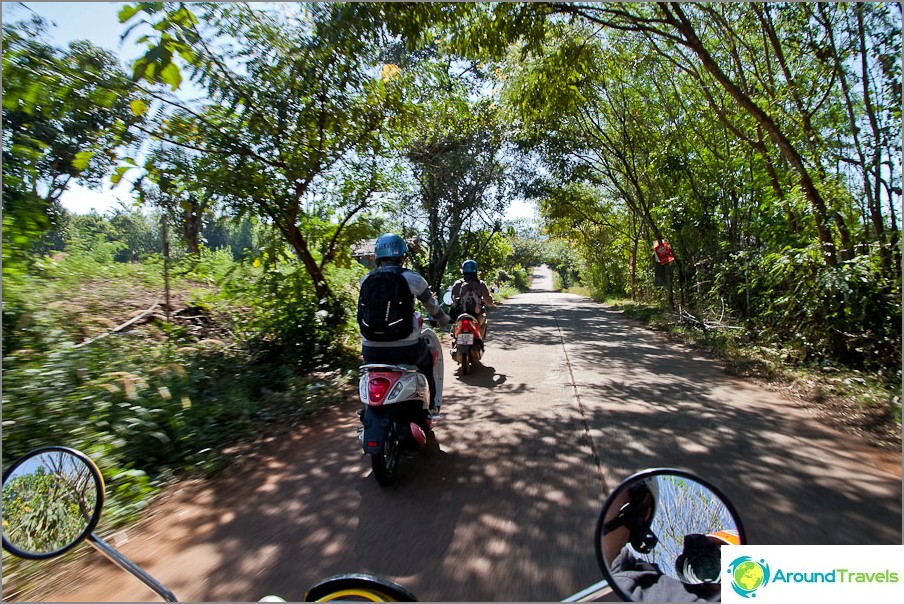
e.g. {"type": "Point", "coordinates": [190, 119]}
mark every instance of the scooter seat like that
{"type": "Point", "coordinates": [386, 367]}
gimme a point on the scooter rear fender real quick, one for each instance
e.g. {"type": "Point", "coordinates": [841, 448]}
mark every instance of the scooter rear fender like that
{"type": "Point", "coordinates": [376, 424]}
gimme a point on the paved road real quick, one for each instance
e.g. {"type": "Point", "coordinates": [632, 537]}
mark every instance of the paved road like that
{"type": "Point", "coordinates": [570, 399]}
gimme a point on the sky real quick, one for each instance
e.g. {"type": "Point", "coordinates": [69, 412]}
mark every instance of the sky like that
{"type": "Point", "coordinates": [98, 22]}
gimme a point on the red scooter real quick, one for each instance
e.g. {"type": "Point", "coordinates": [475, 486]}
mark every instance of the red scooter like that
{"type": "Point", "coordinates": [467, 340]}
{"type": "Point", "coordinates": [467, 345]}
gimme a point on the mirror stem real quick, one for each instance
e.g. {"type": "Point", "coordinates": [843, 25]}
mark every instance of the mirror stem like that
{"type": "Point", "coordinates": [124, 563]}
{"type": "Point", "coordinates": [592, 593]}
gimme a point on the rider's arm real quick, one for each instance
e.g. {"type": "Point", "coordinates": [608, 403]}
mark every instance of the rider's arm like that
{"type": "Point", "coordinates": [421, 290]}
{"type": "Point", "coordinates": [485, 294]}
{"type": "Point", "coordinates": [432, 306]}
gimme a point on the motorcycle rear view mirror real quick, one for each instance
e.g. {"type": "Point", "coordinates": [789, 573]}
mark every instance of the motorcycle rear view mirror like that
{"type": "Point", "coordinates": [52, 499]}
{"type": "Point", "coordinates": [659, 537]}
{"type": "Point", "coordinates": [447, 297]}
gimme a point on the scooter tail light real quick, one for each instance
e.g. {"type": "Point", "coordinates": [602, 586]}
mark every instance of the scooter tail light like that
{"type": "Point", "coordinates": [377, 389]}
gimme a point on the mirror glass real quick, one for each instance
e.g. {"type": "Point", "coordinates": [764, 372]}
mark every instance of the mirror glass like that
{"type": "Point", "coordinates": [447, 297]}
{"type": "Point", "coordinates": [660, 534]}
{"type": "Point", "coordinates": [52, 498]}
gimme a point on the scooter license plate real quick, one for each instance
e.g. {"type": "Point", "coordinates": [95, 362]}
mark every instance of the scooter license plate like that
{"type": "Point", "coordinates": [465, 338]}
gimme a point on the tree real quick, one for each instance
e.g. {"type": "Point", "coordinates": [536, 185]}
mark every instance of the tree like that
{"type": "Point", "coordinates": [179, 176]}
{"type": "Point", "coordinates": [290, 129]}
{"type": "Point", "coordinates": [692, 118]}
{"type": "Point", "coordinates": [66, 115]}
{"type": "Point", "coordinates": [721, 43]}
{"type": "Point", "coordinates": [453, 146]}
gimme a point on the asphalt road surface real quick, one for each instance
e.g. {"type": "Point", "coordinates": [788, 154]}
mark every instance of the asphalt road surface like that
{"type": "Point", "coordinates": [570, 398]}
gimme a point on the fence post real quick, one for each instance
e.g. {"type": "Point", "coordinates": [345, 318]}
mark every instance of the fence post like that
{"type": "Point", "coordinates": [166, 252]}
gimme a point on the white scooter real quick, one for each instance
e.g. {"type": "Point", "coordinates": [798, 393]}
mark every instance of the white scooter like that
{"type": "Point", "coordinates": [395, 417]}
{"type": "Point", "coordinates": [53, 497]}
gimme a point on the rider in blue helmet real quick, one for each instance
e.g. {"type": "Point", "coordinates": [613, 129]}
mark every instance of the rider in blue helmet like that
{"type": "Point", "coordinates": [390, 247]}
{"type": "Point", "coordinates": [471, 295]}
{"type": "Point", "coordinates": [390, 252]}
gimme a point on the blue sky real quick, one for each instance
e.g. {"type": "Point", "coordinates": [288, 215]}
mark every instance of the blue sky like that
{"type": "Point", "coordinates": [98, 22]}
{"type": "Point", "coordinates": [94, 21]}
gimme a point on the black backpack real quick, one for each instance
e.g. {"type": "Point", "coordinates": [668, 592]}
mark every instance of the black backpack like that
{"type": "Point", "coordinates": [386, 306]}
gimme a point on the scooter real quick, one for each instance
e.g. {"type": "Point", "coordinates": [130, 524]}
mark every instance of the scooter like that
{"type": "Point", "coordinates": [395, 420]}
{"type": "Point", "coordinates": [664, 519]}
{"type": "Point", "coordinates": [467, 340]}
{"type": "Point", "coordinates": [467, 346]}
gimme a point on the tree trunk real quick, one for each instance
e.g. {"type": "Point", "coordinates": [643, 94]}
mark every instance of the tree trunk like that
{"type": "Point", "coordinates": [680, 21]}
{"type": "Point", "coordinates": [326, 298]}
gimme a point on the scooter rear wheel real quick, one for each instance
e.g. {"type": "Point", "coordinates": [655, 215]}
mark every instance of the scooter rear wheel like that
{"type": "Point", "coordinates": [464, 353]}
{"type": "Point", "coordinates": [385, 463]}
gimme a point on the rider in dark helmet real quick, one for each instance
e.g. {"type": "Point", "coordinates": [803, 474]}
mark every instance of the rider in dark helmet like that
{"type": "Point", "coordinates": [390, 253]}
{"type": "Point", "coordinates": [470, 282]}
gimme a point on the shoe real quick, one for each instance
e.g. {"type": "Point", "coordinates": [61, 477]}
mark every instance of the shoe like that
{"type": "Point", "coordinates": [433, 414]}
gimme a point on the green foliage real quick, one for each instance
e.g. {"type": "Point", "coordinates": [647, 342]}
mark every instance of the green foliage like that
{"type": "Point", "coordinates": [525, 251]}
{"type": "Point", "coordinates": [517, 280]}
{"type": "Point", "coordinates": [47, 509]}
{"type": "Point", "coordinates": [561, 258]}
{"type": "Point", "coordinates": [146, 407]}
{"type": "Point", "coordinates": [456, 177]}
{"type": "Point", "coordinates": [639, 138]}
{"type": "Point", "coordinates": [65, 116]}
{"type": "Point", "coordinates": [848, 312]}
{"type": "Point", "coordinates": [289, 132]}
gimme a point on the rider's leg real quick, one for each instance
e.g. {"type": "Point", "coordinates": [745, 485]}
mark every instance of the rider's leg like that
{"type": "Point", "coordinates": [424, 362]}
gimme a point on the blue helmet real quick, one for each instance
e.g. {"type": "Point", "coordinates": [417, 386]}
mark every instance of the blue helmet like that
{"type": "Point", "coordinates": [469, 267]}
{"type": "Point", "coordinates": [390, 245]}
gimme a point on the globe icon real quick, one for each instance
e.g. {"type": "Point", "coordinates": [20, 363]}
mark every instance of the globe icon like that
{"type": "Point", "coordinates": [749, 575]}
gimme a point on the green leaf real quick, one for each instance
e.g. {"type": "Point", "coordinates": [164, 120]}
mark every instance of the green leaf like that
{"type": "Point", "coordinates": [172, 76]}
{"type": "Point", "coordinates": [81, 159]}
{"type": "Point", "coordinates": [119, 173]}
{"type": "Point", "coordinates": [138, 107]}
{"type": "Point", "coordinates": [127, 13]}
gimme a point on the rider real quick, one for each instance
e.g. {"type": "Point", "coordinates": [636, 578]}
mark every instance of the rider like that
{"type": "Point", "coordinates": [391, 252]}
{"type": "Point", "coordinates": [469, 276]}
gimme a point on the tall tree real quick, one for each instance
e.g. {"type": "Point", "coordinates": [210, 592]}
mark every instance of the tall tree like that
{"type": "Point", "coordinates": [66, 116]}
{"type": "Point", "coordinates": [735, 46]}
{"type": "Point", "coordinates": [292, 117]}
{"type": "Point", "coordinates": [180, 176]}
{"type": "Point", "coordinates": [453, 147]}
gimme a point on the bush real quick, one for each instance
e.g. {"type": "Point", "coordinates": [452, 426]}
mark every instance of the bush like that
{"type": "Point", "coordinates": [847, 312]}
